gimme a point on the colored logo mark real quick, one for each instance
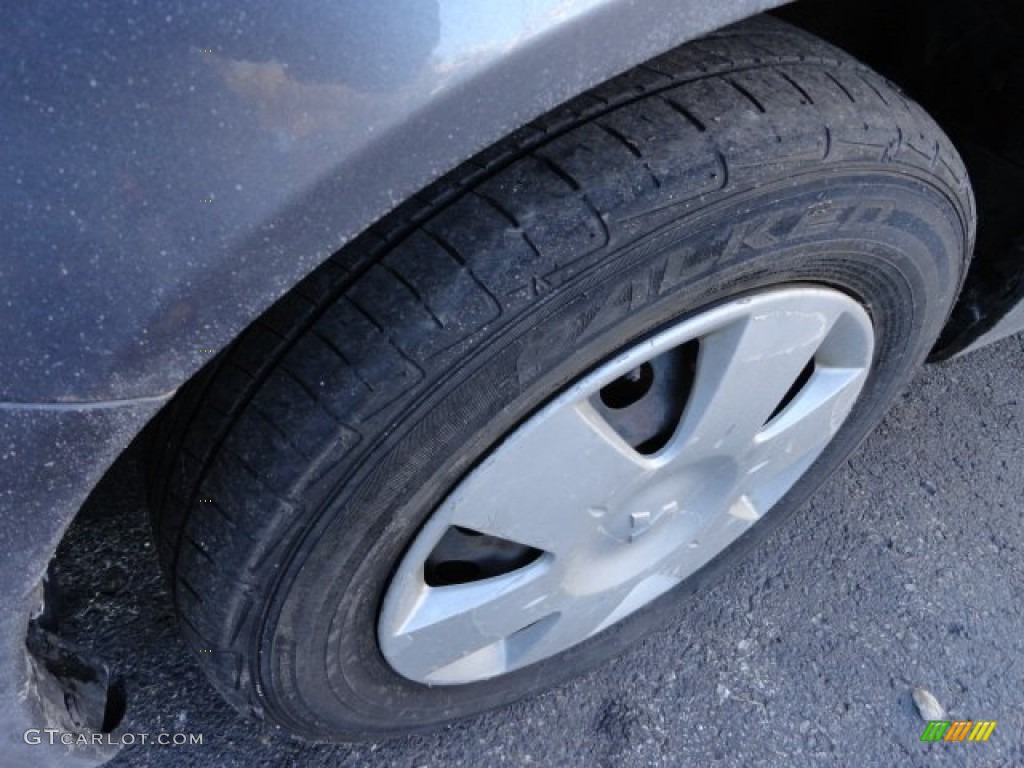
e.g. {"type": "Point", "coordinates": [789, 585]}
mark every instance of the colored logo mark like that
{"type": "Point", "coordinates": [958, 730]}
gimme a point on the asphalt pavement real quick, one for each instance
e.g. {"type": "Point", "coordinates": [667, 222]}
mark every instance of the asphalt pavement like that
{"type": "Point", "coordinates": [905, 570]}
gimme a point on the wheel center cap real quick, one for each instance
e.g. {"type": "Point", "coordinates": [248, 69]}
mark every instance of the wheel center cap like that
{"type": "Point", "coordinates": [643, 520]}
{"type": "Point", "coordinates": [672, 495]}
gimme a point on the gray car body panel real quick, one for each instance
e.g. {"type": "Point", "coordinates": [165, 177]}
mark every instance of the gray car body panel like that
{"type": "Point", "coordinates": [301, 125]}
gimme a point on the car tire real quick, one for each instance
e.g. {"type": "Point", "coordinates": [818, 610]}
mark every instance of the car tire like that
{"type": "Point", "coordinates": [751, 177]}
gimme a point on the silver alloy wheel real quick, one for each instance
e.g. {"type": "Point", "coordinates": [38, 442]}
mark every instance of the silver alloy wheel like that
{"type": "Point", "coordinates": [576, 525]}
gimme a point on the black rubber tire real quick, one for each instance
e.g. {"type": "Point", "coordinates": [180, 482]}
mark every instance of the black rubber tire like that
{"type": "Point", "coordinates": [296, 472]}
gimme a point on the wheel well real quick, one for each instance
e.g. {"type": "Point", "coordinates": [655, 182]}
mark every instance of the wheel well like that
{"type": "Point", "coordinates": [961, 61]}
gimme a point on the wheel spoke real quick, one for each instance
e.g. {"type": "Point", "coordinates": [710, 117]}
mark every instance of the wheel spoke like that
{"type": "Point", "coordinates": [567, 464]}
{"type": "Point", "coordinates": [448, 625]}
{"type": "Point", "coordinates": [744, 371]}
{"type": "Point", "coordinates": [579, 619]}
{"type": "Point", "coordinates": [788, 446]}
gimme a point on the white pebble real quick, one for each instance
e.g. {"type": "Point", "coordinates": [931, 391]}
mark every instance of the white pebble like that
{"type": "Point", "coordinates": [927, 705]}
